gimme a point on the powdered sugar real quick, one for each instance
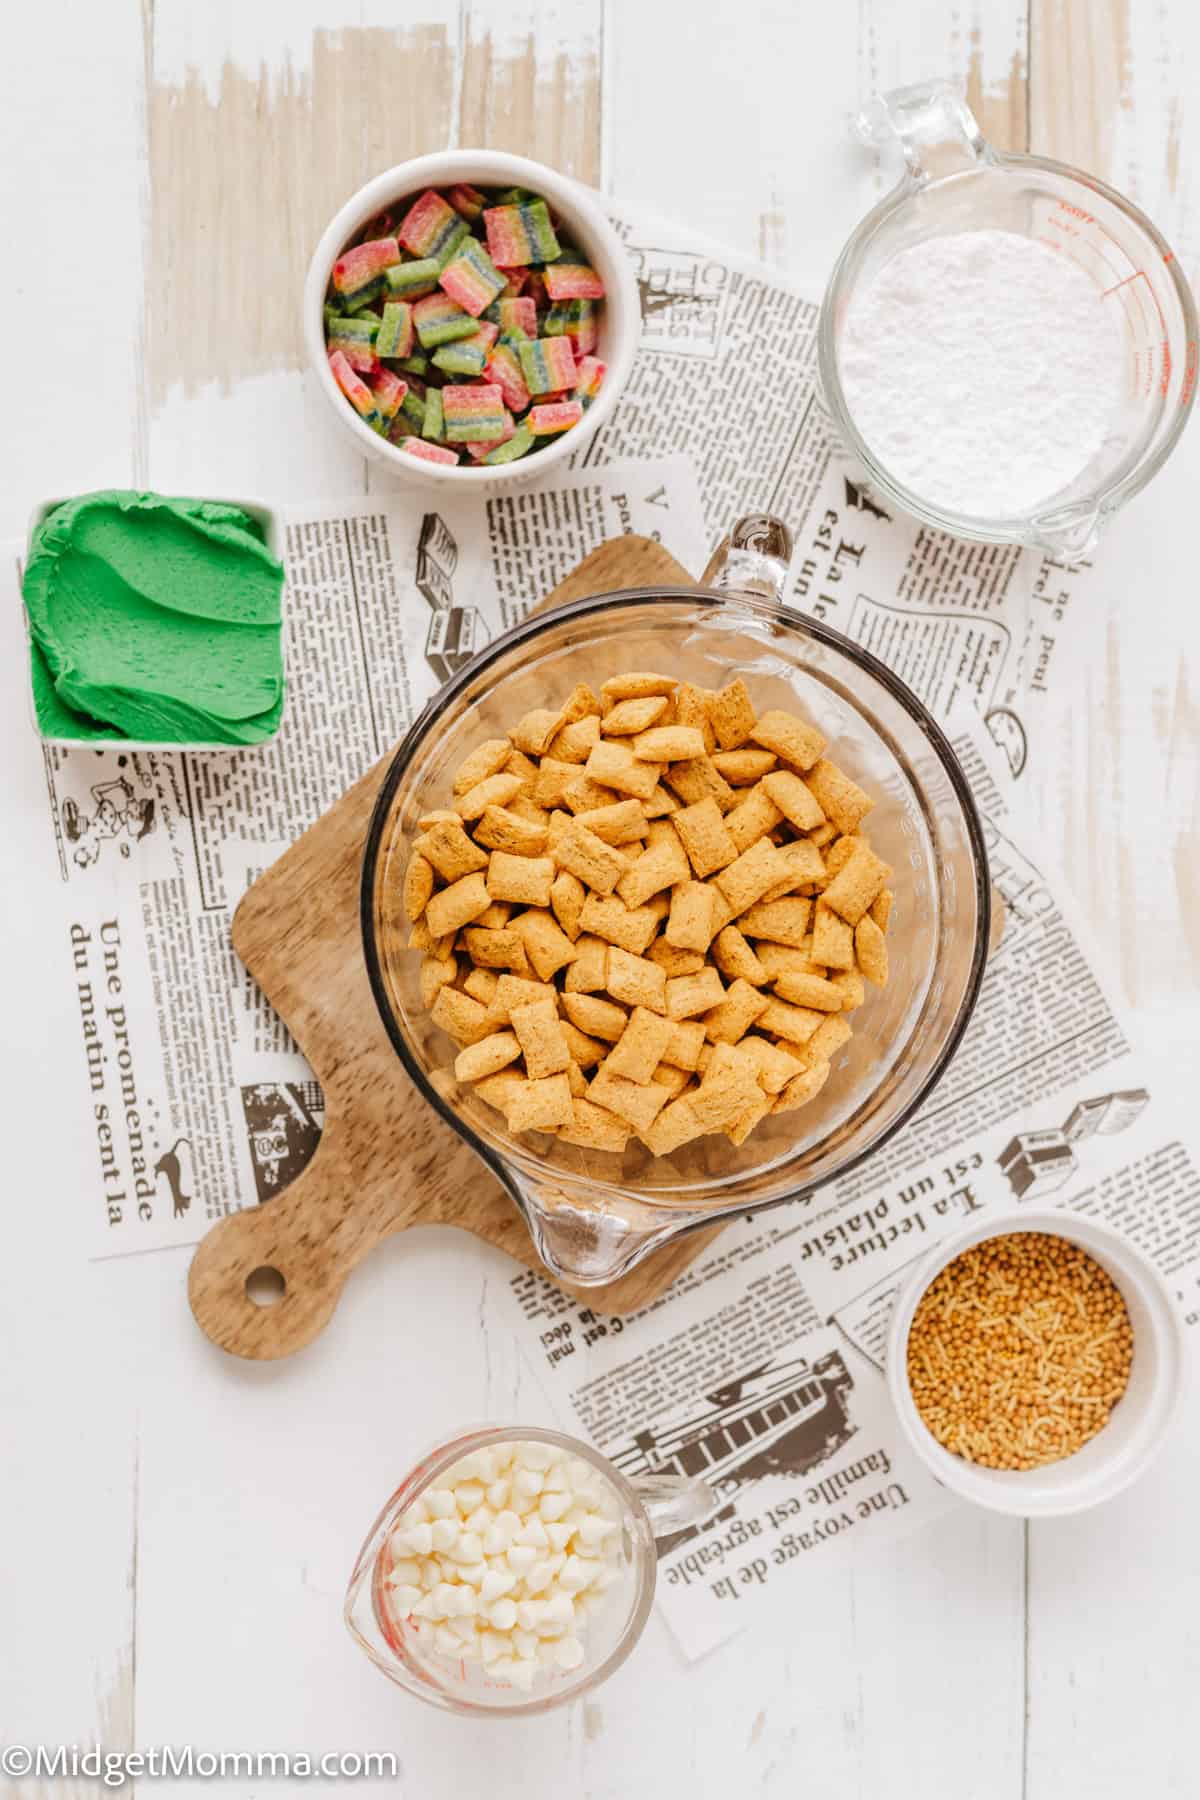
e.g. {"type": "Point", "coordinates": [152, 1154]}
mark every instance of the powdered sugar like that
{"type": "Point", "coordinates": [983, 370]}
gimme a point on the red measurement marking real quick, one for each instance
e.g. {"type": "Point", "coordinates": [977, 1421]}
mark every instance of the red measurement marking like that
{"type": "Point", "coordinates": [1120, 284]}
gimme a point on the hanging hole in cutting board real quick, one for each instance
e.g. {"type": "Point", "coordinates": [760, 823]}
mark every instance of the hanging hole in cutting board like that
{"type": "Point", "coordinates": [265, 1286]}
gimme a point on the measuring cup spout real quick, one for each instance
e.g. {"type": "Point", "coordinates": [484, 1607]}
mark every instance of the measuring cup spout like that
{"type": "Point", "coordinates": [1070, 537]}
{"type": "Point", "coordinates": [597, 1237]}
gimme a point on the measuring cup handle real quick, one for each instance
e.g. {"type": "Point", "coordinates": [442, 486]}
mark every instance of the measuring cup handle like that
{"type": "Point", "coordinates": [673, 1502]}
{"type": "Point", "coordinates": [931, 125]}
{"type": "Point", "coordinates": [753, 559]}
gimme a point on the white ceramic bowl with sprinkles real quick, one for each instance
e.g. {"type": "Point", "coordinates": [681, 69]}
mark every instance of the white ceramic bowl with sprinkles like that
{"type": "Point", "coordinates": [526, 409]}
{"type": "Point", "coordinates": [1068, 1314]}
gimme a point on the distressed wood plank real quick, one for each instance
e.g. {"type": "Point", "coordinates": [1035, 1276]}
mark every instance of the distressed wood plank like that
{"type": "Point", "coordinates": [530, 82]}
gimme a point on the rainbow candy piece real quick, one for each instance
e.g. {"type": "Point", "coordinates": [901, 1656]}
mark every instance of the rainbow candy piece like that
{"type": "Point", "coordinates": [467, 201]}
{"type": "Point", "coordinates": [520, 234]}
{"type": "Point", "coordinates": [356, 391]}
{"type": "Point", "coordinates": [521, 440]}
{"type": "Point", "coordinates": [389, 391]}
{"type": "Point", "coordinates": [471, 279]}
{"type": "Point", "coordinates": [439, 320]}
{"type": "Point", "coordinates": [355, 340]}
{"type": "Point", "coordinates": [548, 365]}
{"type": "Point", "coordinates": [589, 375]}
{"type": "Point", "coordinates": [483, 336]}
{"type": "Point", "coordinates": [516, 317]}
{"type": "Point", "coordinates": [473, 414]}
{"type": "Point", "coordinates": [504, 368]}
{"type": "Point", "coordinates": [358, 268]}
{"type": "Point", "coordinates": [572, 280]}
{"type": "Point", "coordinates": [395, 334]}
{"type": "Point", "coordinates": [460, 359]}
{"type": "Point", "coordinates": [574, 319]}
{"type": "Point", "coordinates": [435, 424]}
{"type": "Point", "coordinates": [515, 284]}
{"type": "Point", "coordinates": [544, 421]}
{"type": "Point", "coordinates": [431, 229]}
{"type": "Point", "coordinates": [480, 448]}
{"type": "Point", "coordinates": [435, 453]}
{"type": "Point", "coordinates": [416, 364]}
{"type": "Point", "coordinates": [412, 406]}
{"type": "Point", "coordinates": [412, 280]}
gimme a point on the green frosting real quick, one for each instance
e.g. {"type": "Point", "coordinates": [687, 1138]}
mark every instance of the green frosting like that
{"type": "Point", "coordinates": [154, 618]}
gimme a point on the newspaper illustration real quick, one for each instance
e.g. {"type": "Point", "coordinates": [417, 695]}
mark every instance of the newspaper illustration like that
{"type": "Point", "coordinates": [197, 1098]}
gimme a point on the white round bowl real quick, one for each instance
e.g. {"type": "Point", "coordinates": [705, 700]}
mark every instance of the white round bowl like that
{"type": "Point", "coordinates": [1139, 1421]}
{"type": "Point", "coordinates": [619, 322]}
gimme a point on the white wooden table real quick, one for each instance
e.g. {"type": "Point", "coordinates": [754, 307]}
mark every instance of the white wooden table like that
{"type": "Point", "coordinates": [178, 1526]}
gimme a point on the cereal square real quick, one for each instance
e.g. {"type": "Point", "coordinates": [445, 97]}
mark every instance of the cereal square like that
{"type": "Point", "coordinates": [635, 981]}
{"type": "Point", "coordinates": [833, 939]}
{"type": "Point", "coordinates": [617, 822]}
{"type": "Point", "coordinates": [540, 1037]}
{"type": "Point", "coordinates": [585, 1051]}
{"type": "Point", "coordinates": [418, 885]}
{"type": "Point", "coordinates": [574, 742]}
{"type": "Point", "coordinates": [805, 868]}
{"type": "Point", "coordinates": [792, 739]}
{"type": "Point", "coordinates": [542, 1105]}
{"type": "Point", "coordinates": [871, 948]}
{"type": "Point", "coordinates": [517, 990]}
{"type": "Point", "coordinates": [486, 759]}
{"type": "Point", "coordinates": [615, 766]}
{"type": "Point", "coordinates": [702, 829]}
{"type": "Point", "coordinates": [841, 799]}
{"type": "Point", "coordinates": [795, 799]}
{"type": "Point", "coordinates": [795, 1024]}
{"type": "Point", "coordinates": [880, 908]}
{"type": "Point", "coordinates": [675, 1126]}
{"type": "Point", "coordinates": [736, 957]}
{"type": "Point", "coordinates": [803, 1087]}
{"type": "Point", "coordinates": [629, 717]}
{"type": "Point", "coordinates": [699, 780]}
{"type": "Point", "coordinates": [828, 1039]}
{"type": "Point", "coordinates": [486, 1057]}
{"type": "Point", "coordinates": [455, 906]}
{"type": "Point", "coordinates": [450, 850]}
{"type": "Point", "coordinates": [737, 1012]}
{"type": "Point", "coordinates": [685, 1044]}
{"type": "Point", "coordinates": [810, 990]}
{"type": "Point", "coordinates": [481, 984]}
{"type": "Point", "coordinates": [776, 1067]}
{"type": "Point", "coordinates": [523, 879]}
{"type": "Point", "coordinates": [752, 818]}
{"type": "Point", "coordinates": [598, 1018]}
{"type": "Point", "coordinates": [856, 885]}
{"type": "Point", "coordinates": [673, 961]}
{"type": "Point", "coordinates": [503, 949]}
{"type": "Point", "coordinates": [661, 865]}
{"type": "Point", "coordinates": [435, 973]}
{"type": "Point", "coordinates": [641, 1045]}
{"type": "Point", "coordinates": [502, 829]}
{"type": "Point", "coordinates": [783, 921]}
{"type": "Point", "coordinates": [742, 768]}
{"type": "Point", "coordinates": [595, 1128]}
{"type": "Point", "coordinates": [586, 855]}
{"type": "Point", "coordinates": [748, 878]}
{"type": "Point", "coordinates": [459, 1016]}
{"type": "Point", "coordinates": [688, 995]}
{"type": "Point", "coordinates": [608, 917]}
{"type": "Point", "coordinates": [533, 733]}
{"type": "Point", "coordinates": [552, 780]}
{"type": "Point", "coordinates": [497, 790]}
{"type": "Point", "coordinates": [567, 895]}
{"type": "Point", "coordinates": [689, 926]}
{"type": "Point", "coordinates": [732, 715]}
{"type": "Point", "coordinates": [668, 743]}
{"type": "Point", "coordinates": [588, 974]}
{"type": "Point", "coordinates": [637, 685]}
{"type": "Point", "coordinates": [639, 1104]}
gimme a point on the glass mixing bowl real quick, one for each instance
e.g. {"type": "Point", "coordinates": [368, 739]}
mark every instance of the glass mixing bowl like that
{"type": "Point", "coordinates": [594, 1214]}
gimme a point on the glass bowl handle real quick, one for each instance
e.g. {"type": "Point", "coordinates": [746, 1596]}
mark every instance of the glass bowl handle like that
{"type": "Point", "coordinates": [931, 125]}
{"type": "Point", "coordinates": [752, 560]}
{"type": "Point", "coordinates": [674, 1502]}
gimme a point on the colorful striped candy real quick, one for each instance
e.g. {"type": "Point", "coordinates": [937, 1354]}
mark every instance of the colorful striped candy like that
{"type": "Point", "coordinates": [356, 268]}
{"type": "Point", "coordinates": [412, 280]}
{"type": "Point", "coordinates": [473, 414]}
{"type": "Point", "coordinates": [413, 405]}
{"type": "Point", "coordinates": [504, 368]}
{"type": "Point", "coordinates": [547, 364]}
{"type": "Point", "coordinates": [471, 278]}
{"type": "Point", "coordinates": [574, 319]}
{"type": "Point", "coordinates": [517, 278]}
{"type": "Point", "coordinates": [467, 201]}
{"type": "Point", "coordinates": [389, 391]}
{"type": "Point", "coordinates": [432, 229]}
{"type": "Point", "coordinates": [520, 234]}
{"type": "Point", "coordinates": [416, 364]}
{"type": "Point", "coordinates": [439, 320]}
{"type": "Point", "coordinates": [521, 440]}
{"type": "Point", "coordinates": [483, 336]}
{"type": "Point", "coordinates": [434, 453]}
{"type": "Point", "coordinates": [545, 421]}
{"type": "Point", "coordinates": [478, 449]}
{"type": "Point", "coordinates": [355, 340]}
{"type": "Point", "coordinates": [434, 425]}
{"type": "Point", "coordinates": [395, 334]}
{"type": "Point", "coordinates": [356, 390]}
{"type": "Point", "coordinates": [516, 317]}
{"type": "Point", "coordinates": [590, 374]}
{"type": "Point", "coordinates": [460, 359]}
{"type": "Point", "coordinates": [572, 280]}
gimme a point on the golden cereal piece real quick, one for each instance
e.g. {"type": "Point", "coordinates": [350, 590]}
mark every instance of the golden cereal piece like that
{"type": "Point", "coordinates": [629, 717]}
{"type": "Point", "coordinates": [810, 990]}
{"type": "Point", "coordinates": [828, 1039]}
{"type": "Point", "coordinates": [729, 1087]}
{"type": "Point", "coordinates": [856, 884]}
{"type": "Point", "coordinates": [640, 1047]}
{"type": "Point", "coordinates": [839, 798]}
{"type": "Point", "coordinates": [486, 1057]}
{"type": "Point", "coordinates": [674, 961]}
{"type": "Point", "coordinates": [668, 743]}
{"type": "Point", "coordinates": [542, 1105]}
{"type": "Point", "coordinates": [775, 1067]}
{"type": "Point", "coordinates": [436, 972]}
{"type": "Point", "coordinates": [780, 959]}
{"type": "Point", "coordinates": [880, 908]}
{"type": "Point", "coordinates": [607, 916]}
{"type": "Point", "coordinates": [418, 885]}
{"type": "Point", "coordinates": [701, 829]}
{"type": "Point", "coordinates": [547, 948]}
{"type": "Point", "coordinates": [805, 868]}
{"type": "Point", "coordinates": [577, 1080]}
{"type": "Point", "coordinates": [660, 804]}
{"type": "Point", "coordinates": [685, 1045]}
{"type": "Point", "coordinates": [823, 834]}
{"type": "Point", "coordinates": [588, 974]}
{"type": "Point", "coordinates": [486, 759]}
{"type": "Point", "coordinates": [675, 1126]}
{"type": "Point", "coordinates": [752, 818]}
{"type": "Point", "coordinates": [520, 764]}
{"type": "Point", "coordinates": [585, 854]}
{"type": "Point", "coordinates": [585, 795]}
{"type": "Point", "coordinates": [839, 853]}
{"type": "Point", "coordinates": [523, 879]}
{"type": "Point", "coordinates": [615, 766]}
{"type": "Point", "coordinates": [525, 808]}
{"type": "Point", "coordinates": [748, 878]}
{"type": "Point", "coordinates": [736, 957]}
{"type": "Point", "coordinates": [594, 1128]}
{"type": "Point", "coordinates": [739, 1129]}
{"type": "Point", "coordinates": [541, 1039]}
{"type": "Point", "coordinates": [598, 1018]}
{"type": "Point", "coordinates": [495, 918]}
{"type": "Point", "coordinates": [741, 768]}
{"type": "Point", "coordinates": [440, 816]}
{"type": "Point", "coordinates": [870, 947]}
{"type": "Point", "coordinates": [459, 1016]}
{"type": "Point", "coordinates": [689, 926]}
{"type": "Point", "coordinates": [795, 799]}
{"type": "Point", "coordinates": [574, 742]}
{"type": "Point", "coordinates": [634, 981]}
{"type": "Point", "coordinates": [579, 703]}
{"type": "Point", "coordinates": [795, 1024]}
{"type": "Point", "coordinates": [585, 1051]}
{"type": "Point", "coordinates": [732, 1019]}
{"type": "Point", "coordinates": [497, 790]}
{"type": "Point", "coordinates": [450, 850]}
{"type": "Point", "coordinates": [481, 984]}
{"type": "Point", "coordinates": [849, 984]}
{"type": "Point", "coordinates": [792, 739]}
{"type": "Point", "coordinates": [687, 995]}
{"type": "Point", "coordinates": [639, 684]}
{"type": "Point", "coordinates": [552, 780]}
{"type": "Point", "coordinates": [673, 1079]}
{"type": "Point", "coordinates": [500, 1090]}
{"type": "Point", "coordinates": [699, 780]}
{"type": "Point", "coordinates": [661, 865]}
{"type": "Point", "coordinates": [503, 949]}
{"type": "Point", "coordinates": [782, 921]}
{"type": "Point", "coordinates": [617, 821]}
{"type": "Point", "coordinates": [517, 990]}
{"type": "Point", "coordinates": [691, 708]}
{"type": "Point", "coordinates": [502, 829]}
{"type": "Point", "coordinates": [802, 1088]}
{"type": "Point", "coordinates": [833, 939]}
{"type": "Point", "coordinates": [533, 733]}
{"type": "Point", "coordinates": [732, 715]}
{"type": "Point", "coordinates": [455, 906]}
{"type": "Point", "coordinates": [567, 895]}
{"type": "Point", "coordinates": [638, 1103]}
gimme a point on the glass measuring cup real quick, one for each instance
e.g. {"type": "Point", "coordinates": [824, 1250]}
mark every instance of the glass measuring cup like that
{"type": "Point", "coordinates": [954, 181]}
{"type": "Point", "coordinates": [593, 1214]}
{"type": "Point", "coordinates": [648, 1508]}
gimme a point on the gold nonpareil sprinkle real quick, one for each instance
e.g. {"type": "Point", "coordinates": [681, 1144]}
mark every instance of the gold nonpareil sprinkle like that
{"type": "Point", "coordinates": [1018, 1351]}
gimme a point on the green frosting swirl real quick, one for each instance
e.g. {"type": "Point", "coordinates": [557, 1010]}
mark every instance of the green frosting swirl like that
{"type": "Point", "coordinates": [154, 618]}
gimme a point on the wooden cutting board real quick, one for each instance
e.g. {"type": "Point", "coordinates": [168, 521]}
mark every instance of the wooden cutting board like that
{"type": "Point", "coordinates": [385, 1160]}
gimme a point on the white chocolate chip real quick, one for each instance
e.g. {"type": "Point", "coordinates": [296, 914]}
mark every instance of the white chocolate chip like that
{"type": "Point", "coordinates": [559, 1535]}
{"type": "Point", "coordinates": [553, 1506]}
{"type": "Point", "coordinates": [495, 1583]}
{"type": "Point", "coordinates": [445, 1533]}
{"type": "Point", "coordinates": [468, 1495]}
{"type": "Point", "coordinates": [440, 1502]}
{"type": "Point", "coordinates": [503, 1614]}
{"type": "Point", "coordinates": [520, 1558]}
{"type": "Point", "coordinates": [533, 1455]}
{"type": "Point", "coordinates": [570, 1653]}
{"type": "Point", "coordinates": [533, 1532]}
{"type": "Point", "coordinates": [418, 1538]}
{"type": "Point", "coordinates": [407, 1572]}
{"type": "Point", "coordinates": [526, 1484]}
{"type": "Point", "coordinates": [404, 1598]}
{"type": "Point", "coordinates": [468, 1549]}
{"type": "Point", "coordinates": [499, 1491]}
